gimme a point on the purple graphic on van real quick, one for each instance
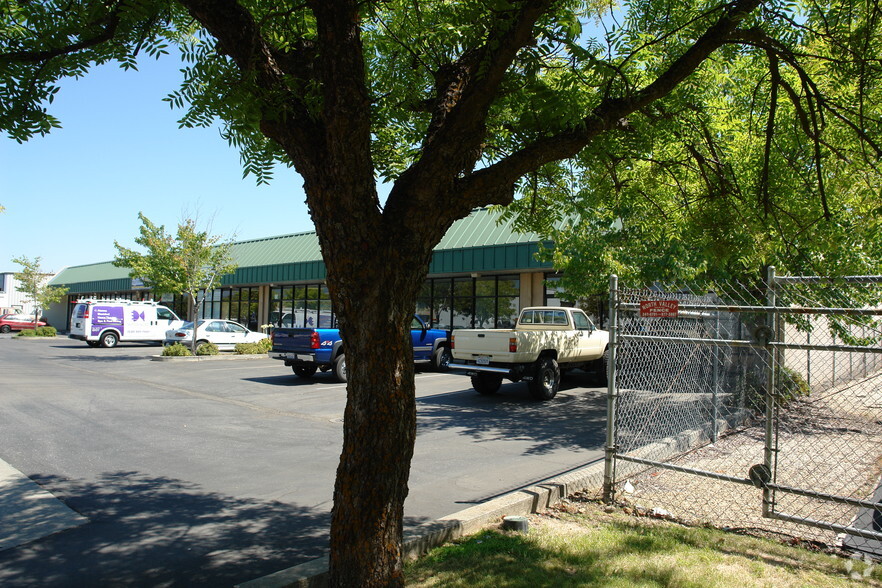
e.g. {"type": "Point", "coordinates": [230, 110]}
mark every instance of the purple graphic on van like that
{"type": "Point", "coordinates": [137, 315]}
{"type": "Point", "coordinates": [107, 316]}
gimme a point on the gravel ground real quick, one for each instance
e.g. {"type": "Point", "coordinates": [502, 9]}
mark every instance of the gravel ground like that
{"type": "Point", "coordinates": [829, 443]}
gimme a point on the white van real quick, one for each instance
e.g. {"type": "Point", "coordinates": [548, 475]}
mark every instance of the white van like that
{"type": "Point", "coordinates": [107, 322]}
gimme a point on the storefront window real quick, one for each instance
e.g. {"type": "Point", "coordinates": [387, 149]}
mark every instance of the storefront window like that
{"type": "Point", "coordinates": [302, 306]}
{"type": "Point", "coordinates": [243, 307]}
{"type": "Point", "coordinates": [508, 301]}
{"type": "Point", "coordinates": [482, 302]}
{"type": "Point", "coordinates": [553, 290]}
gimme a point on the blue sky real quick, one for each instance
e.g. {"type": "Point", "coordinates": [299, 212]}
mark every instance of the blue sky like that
{"type": "Point", "coordinates": [69, 194]}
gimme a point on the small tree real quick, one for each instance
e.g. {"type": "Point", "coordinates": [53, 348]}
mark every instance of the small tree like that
{"type": "Point", "coordinates": [33, 283]}
{"type": "Point", "coordinates": [188, 262]}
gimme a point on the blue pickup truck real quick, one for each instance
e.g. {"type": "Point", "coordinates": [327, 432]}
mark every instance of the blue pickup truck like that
{"type": "Point", "coordinates": [310, 350]}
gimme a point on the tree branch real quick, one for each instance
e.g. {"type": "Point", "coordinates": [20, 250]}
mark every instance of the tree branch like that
{"type": "Point", "coordinates": [110, 25]}
{"type": "Point", "coordinates": [464, 91]}
{"type": "Point", "coordinates": [764, 197]}
{"type": "Point", "coordinates": [483, 187]}
{"type": "Point", "coordinates": [240, 38]}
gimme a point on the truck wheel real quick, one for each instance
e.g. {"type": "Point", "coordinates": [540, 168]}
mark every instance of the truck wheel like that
{"type": "Point", "coordinates": [546, 380]}
{"type": "Point", "coordinates": [441, 359]}
{"type": "Point", "coordinates": [340, 368]}
{"type": "Point", "coordinates": [486, 384]}
{"type": "Point", "coordinates": [304, 371]}
{"type": "Point", "coordinates": [109, 339]}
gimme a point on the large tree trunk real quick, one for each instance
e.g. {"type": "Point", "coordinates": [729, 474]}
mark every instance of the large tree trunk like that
{"type": "Point", "coordinates": [380, 417]}
{"type": "Point", "coordinates": [375, 307]}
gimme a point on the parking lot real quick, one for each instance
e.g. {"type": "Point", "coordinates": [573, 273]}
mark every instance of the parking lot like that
{"type": "Point", "coordinates": [217, 472]}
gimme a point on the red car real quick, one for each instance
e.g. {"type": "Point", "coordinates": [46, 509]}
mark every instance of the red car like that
{"type": "Point", "coordinates": [17, 322]}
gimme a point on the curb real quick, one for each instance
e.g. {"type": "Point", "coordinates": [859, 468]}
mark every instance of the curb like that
{"type": "Point", "coordinates": [28, 512]}
{"type": "Point", "coordinates": [532, 499]}
{"type": "Point", "coordinates": [220, 357]}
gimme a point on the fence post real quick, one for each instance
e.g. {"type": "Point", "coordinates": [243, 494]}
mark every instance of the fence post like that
{"type": "Point", "coordinates": [611, 393]}
{"type": "Point", "coordinates": [716, 384]}
{"type": "Point", "coordinates": [808, 357]}
{"type": "Point", "coordinates": [768, 450]}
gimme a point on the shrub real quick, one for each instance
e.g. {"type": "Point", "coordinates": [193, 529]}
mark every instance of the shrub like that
{"type": "Point", "coordinates": [176, 350]}
{"type": "Point", "coordinates": [260, 347]}
{"type": "Point", "coordinates": [207, 349]}
{"type": "Point", "coordinates": [40, 332]}
{"type": "Point", "coordinates": [790, 385]}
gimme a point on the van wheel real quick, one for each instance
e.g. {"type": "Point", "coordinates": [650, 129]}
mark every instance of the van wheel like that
{"type": "Point", "coordinates": [546, 380]}
{"type": "Point", "coordinates": [304, 371]}
{"type": "Point", "coordinates": [109, 339]}
{"type": "Point", "coordinates": [486, 384]}
{"type": "Point", "coordinates": [340, 368]}
{"type": "Point", "coordinates": [441, 359]}
{"type": "Point", "coordinates": [93, 343]}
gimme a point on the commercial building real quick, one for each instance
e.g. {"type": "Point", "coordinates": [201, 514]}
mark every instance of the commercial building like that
{"type": "Point", "coordinates": [11, 298]}
{"type": "Point", "coordinates": [482, 273]}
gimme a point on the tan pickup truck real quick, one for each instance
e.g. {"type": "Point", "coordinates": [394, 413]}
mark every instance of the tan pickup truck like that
{"type": "Point", "coordinates": [545, 340]}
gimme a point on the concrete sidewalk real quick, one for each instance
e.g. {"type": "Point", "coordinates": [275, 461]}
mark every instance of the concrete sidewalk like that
{"type": "Point", "coordinates": [27, 512]}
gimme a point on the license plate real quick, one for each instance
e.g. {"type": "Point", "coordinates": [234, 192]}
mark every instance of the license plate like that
{"type": "Point", "coordinates": [305, 357]}
{"type": "Point", "coordinates": [482, 360]}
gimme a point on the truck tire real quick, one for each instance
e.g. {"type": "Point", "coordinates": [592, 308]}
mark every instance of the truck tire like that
{"type": "Point", "coordinates": [546, 379]}
{"type": "Point", "coordinates": [304, 371]}
{"type": "Point", "coordinates": [486, 384]}
{"type": "Point", "coordinates": [340, 368]}
{"type": "Point", "coordinates": [109, 339]}
{"type": "Point", "coordinates": [441, 359]}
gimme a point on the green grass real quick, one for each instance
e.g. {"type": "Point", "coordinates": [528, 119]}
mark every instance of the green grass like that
{"type": "Point", "coordinates": [596, 548]}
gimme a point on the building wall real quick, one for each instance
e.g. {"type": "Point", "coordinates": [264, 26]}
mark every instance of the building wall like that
{"type": "Point", "coordinates": [11, 300]}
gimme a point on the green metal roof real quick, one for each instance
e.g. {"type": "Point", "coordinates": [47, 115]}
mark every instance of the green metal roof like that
{"type": "Point", "coordinates": [93, 277]}
{"type": "Point", "coordinates": [283, 249]}
{"type": "Point", "coordinates": [478, 242]}
{"type": "Point", "coordinates": [482, 228]}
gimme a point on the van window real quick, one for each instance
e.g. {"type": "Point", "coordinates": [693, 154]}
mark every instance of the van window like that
{"type": "Point", "coordinates": [165, 314]}
{"type": "Point", "coordinates": [80, 310]}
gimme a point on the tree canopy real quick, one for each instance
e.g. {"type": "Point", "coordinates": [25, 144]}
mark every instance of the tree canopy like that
{"type": "Point", "coordinates": [672, 137]}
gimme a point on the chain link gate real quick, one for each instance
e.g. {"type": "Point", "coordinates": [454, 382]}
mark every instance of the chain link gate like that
{"type": "Point", "coordinates": [750, 407]}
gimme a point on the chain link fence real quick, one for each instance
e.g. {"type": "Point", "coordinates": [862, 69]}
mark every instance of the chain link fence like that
{"type": "Point", "coordinates": [751, 407]}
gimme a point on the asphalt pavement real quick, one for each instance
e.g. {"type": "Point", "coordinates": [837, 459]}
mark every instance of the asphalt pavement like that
{"type": "Point", "coordinates": [117, 470]}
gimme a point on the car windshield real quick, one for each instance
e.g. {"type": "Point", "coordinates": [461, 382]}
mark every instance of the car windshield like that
{"type": "Point", "coordinates": [188, 326]}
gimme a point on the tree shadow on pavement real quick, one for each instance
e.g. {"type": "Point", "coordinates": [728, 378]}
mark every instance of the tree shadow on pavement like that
{"type": "Point", "coordinates": [574, 419]}
{"type": "Point", "coordinates": [156, 531]}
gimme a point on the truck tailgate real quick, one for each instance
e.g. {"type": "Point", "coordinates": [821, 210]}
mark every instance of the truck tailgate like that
{"type": "Point", "coordinates": [470, 344]}
{"type": "Point", "coordinates": [292, 339]}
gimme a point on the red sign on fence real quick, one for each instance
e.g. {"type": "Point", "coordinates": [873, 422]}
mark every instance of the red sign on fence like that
{"type": "Point", "coordinates": [659, 308]}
